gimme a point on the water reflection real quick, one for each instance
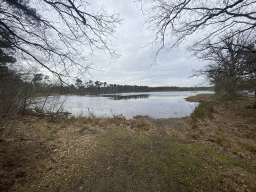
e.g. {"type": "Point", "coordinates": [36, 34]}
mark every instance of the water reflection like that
{"type": "Point", "coordinates": [126, 97]}
{"type": "Point", "coordinates": [154, 104]}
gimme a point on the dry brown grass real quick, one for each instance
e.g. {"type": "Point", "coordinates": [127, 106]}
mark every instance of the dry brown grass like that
{"type": "Point", "coordinates": [231, 126]}
{"type": "Point", "coordinates": [162, 151]}
{"type": "Point", "coordinates": [201, 98]}
{"type": "Point", "coordinates": [32, 148]}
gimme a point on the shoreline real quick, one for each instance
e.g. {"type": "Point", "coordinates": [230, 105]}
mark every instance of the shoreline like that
{"type": "Point", "coordinates": [79, 153]}
{"type": "Point", "coordinates": [107, 93]}
{"type": "Point", "coordinates": [167, 108]}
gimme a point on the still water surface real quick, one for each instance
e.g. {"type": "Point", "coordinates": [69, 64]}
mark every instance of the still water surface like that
{"type": "Point", "coordinates": [154, 104]}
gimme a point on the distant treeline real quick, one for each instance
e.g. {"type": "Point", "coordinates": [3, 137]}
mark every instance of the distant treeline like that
{"type": "Point", "coordinates": [17, 89]}
{"type": "Point", "coordinates": [97, 87]}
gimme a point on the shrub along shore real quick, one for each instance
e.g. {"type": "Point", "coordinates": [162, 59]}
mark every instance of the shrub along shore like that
{"type": "Point", "coordinates": [212, 150]}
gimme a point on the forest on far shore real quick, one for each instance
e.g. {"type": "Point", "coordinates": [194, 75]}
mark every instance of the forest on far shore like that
{"type": "Point", "coordinates": [42, 87]}
{"type": "Point", "coordinates": [17, 89]}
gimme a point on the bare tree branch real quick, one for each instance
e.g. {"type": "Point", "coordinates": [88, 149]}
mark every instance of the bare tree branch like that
{"type": "Point", "coordinates": [57, 34]}
{"type": "Point", "coordinates": [179, 19]}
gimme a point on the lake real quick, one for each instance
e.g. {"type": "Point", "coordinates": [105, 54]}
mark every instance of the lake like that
{"type": "Point", "coordinates": [154, 104]}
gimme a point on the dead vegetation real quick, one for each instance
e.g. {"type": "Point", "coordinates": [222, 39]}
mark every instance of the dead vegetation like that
{"type": "Point", "coordinates": [229, 125]}
{"type": "Point", "coordinates": [214, 149]}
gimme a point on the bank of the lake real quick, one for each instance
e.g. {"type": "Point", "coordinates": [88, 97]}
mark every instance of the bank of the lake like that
{"type": "Point", "coordinates": [213, 150]}
{"type": "Point", "coordinates": [154, 104]}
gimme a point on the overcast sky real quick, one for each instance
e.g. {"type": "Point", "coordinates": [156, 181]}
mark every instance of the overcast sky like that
{"type": "Point", "coordinates": [134, 67]}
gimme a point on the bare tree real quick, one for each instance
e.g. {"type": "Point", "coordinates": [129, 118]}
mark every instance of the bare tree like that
{"type": "Point", "coordinates": [232, 68]}
{"type": "Point", "coordinates": [57, 34]}
{"type": "Point", "coordinates": [175, 20]}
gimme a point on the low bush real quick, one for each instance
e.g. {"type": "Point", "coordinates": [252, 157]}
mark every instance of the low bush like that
{"type": "Point", "coordinates": [204, 109]}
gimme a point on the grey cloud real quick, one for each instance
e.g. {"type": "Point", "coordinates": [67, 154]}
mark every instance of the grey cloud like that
{"type": "Point", "coordinates": [135, 64]}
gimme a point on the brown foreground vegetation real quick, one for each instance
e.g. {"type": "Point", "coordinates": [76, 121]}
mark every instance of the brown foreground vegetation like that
{"type": "Point", "coordinates": [212, 150]}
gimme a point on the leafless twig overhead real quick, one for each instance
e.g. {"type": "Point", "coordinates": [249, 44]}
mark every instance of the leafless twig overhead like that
{"type": "Point", "coordinates": [175, 20]}
{"type": "Point", "coordinates": [57, 34]}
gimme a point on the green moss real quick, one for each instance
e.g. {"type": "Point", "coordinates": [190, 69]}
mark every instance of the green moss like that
{"type": "Point", "coordinates": [51, 138]}
{"type": "Point", "coordinates": [141, 140]}
{"type": "Point", "coordinates": [184, 166]}
{"type": "Point", "coordinates": [33, 127]}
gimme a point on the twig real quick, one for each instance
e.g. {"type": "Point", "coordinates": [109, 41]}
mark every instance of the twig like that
{"type": "Point", "coordinates": [52, 156]}
{"type": "Point", "coordinates": [117, 116]}
{"type": "Point", "coordinates": [91, 113]}
{"type": "Point", "coordinates": [50, 153]}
